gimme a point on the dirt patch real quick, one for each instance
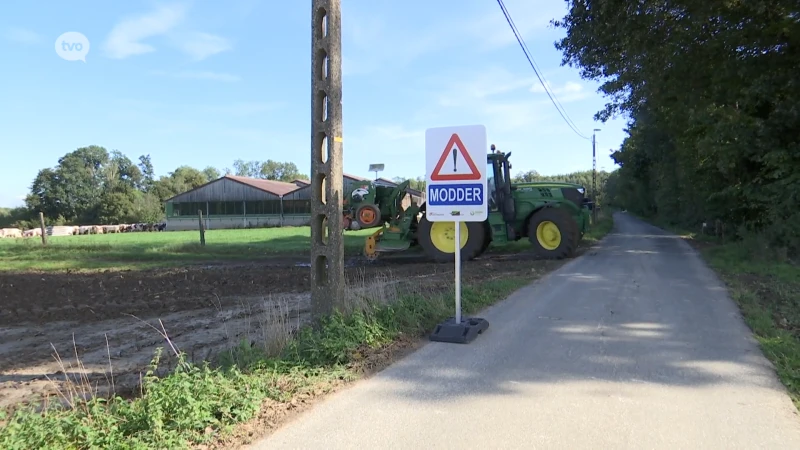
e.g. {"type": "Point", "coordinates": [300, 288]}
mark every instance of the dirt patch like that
{"type": "Point", "coordinates": [111, 321]}
{"type": "Point", "coordinates": [91, 297]}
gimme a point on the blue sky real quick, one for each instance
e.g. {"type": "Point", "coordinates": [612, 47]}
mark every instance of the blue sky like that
{"type": "Point", "coordinates": [204, 83]}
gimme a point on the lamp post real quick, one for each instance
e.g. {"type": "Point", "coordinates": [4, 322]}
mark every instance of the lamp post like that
{"type": "Point", "coordinates": [594, 175]}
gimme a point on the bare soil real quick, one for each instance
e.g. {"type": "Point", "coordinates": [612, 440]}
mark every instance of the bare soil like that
{"type": "Point", "coordinates": [112, 321]}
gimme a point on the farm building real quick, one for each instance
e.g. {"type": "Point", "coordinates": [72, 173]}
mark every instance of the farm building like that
{"type": "Point", "coordinates": [240, 202]}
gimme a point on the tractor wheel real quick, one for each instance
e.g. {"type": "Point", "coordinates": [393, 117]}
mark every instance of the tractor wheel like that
{"type": "Point", "coordinates": [368, 216]}
{"type": "Point", "coordinates": [553, 233]}
{"type": "Point", "coordinates": [437, 239]}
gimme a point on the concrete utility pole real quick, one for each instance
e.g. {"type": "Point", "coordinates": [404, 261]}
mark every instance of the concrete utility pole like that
{"type": "Point", "coordinates": [594, 176]}
{"type": "Point", "coordinates": [327, 243]}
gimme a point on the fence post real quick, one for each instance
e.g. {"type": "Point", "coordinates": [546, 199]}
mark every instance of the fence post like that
{"type": "Point", "coordinates": [44, 230]}
{"type": "Point", "coordinates": [202, 228]}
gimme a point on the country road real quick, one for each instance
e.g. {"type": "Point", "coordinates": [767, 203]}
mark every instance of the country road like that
{"type": "Point", "coordinates": [632, 346]}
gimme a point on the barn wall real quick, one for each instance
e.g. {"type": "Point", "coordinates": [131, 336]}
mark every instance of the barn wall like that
{"type": "Point", "coordinates": [252, 209]}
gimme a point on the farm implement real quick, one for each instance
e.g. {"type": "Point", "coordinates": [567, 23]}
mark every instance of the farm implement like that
{"type": "Point", "coordinates": [552, 216]}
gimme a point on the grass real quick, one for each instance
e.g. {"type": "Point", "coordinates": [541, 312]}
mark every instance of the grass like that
{"type": "Point", "coordinates": [138, 251]}
{"type": "Point", "coordinates": [253, 384]}
{"type": "Point", "coordinates": [766, 287]}
{"type": "Point", "coordinates": [149, 250]}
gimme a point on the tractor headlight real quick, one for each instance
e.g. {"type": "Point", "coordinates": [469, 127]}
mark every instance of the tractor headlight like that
{"type": "Point", "coordinates": [582, 190]}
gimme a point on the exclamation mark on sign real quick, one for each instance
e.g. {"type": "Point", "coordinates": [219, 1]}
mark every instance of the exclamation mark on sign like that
{"type": "Point", "coordinates": [455, 152]}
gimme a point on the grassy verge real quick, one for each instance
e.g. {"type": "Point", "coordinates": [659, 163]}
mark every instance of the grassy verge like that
{"type": "Point", "coordinates": [767, 290]}
{"type": "Point", "coordinates": [250, 388]}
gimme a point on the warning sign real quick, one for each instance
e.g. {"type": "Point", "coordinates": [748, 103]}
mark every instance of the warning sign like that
{"type": "Point", "coordinates": [456, 185]}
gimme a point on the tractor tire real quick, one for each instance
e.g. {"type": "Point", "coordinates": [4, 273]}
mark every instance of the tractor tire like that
{"type": "Point", "coordinates": [437, 239]}
{"type": "Point", "coordinates": [553, 233]}
{"type": "Point", "coordinates": [368, 216]}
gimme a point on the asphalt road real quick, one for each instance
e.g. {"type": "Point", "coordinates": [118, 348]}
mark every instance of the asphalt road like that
{"type": "Point", "coordinates": [634, 346]}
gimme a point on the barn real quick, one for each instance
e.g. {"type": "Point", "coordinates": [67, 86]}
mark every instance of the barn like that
{"type": "Point", "coordinates": [241, 202]}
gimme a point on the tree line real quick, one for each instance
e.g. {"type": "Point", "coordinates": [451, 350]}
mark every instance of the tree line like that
{"type": "Point", "coordinates": [711, 96]}
{"type": "Point", "coordinates": [91, 185]}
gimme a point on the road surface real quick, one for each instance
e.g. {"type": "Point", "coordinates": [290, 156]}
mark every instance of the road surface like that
{"type": "Point", "coordinates": [632, 346]}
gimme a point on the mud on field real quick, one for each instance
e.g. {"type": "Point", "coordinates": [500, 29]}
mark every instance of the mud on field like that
{"type": "Point", "coordinates": [112, 322]}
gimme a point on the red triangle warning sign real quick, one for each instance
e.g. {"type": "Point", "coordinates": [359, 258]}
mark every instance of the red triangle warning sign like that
{"type": "Point", "coordinates": [450, 152]}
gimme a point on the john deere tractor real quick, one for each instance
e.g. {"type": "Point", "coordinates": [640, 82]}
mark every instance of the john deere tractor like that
{"type": "Point", "coordinates": [553, 216]}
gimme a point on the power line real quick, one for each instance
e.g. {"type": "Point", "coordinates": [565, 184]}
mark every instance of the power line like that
{"type": "Point", "coordinates": [536, 68]}
{"type": "Point", "coordinates": [544, 84]}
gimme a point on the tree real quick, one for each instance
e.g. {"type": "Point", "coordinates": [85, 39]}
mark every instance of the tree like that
{"type": "Point", "coordinates": [211, 173]}
{"type": "Point", "coordinates": [710, 92]}
{"type": "Point", "coordinates": [267, 170]}
{"type": "Point", "coordinates": [73, 188]}
{"type": "Point", "coordinates": [148, 173]}
{"type": "Point", "coordinates": [280, 171]}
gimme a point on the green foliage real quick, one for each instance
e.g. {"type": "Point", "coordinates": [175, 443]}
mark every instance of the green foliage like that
{"type": "Point", "coordinates": [11, 217]}
{"type": "Point", "coordinates": [268, 170]}
{"type": "Point", "coordinates": [94, 186]}
{"type": "Point", "coordinates": [710, 92]}
{"type": "Point", "coordinates": [172, 411]}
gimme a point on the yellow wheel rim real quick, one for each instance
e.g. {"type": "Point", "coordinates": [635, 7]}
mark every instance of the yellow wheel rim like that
{"type": "Point", "coordinates": [548, 235]}
{"type": "Point", "coordinates": [443, 236]}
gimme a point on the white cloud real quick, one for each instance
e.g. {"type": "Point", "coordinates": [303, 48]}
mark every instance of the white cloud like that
{"type": "Point", "coordinates": [128, 37]}
{"type": "Point", "coordinates": [186, 117]}
{"type": "Point", "coordinates": [569, 87]}
{"type": "Point", "coordinates": [125, 38]}
{"type": "Point", "coordinates": [200, 46]}
{"type": "Point", "coordinates": [200, 75]}
{"type": "Point", "coordinates": [381, 43]}
{"type": "Point", "coordinates": [491, 30]}
{"type": "Point", "coordinates": [22, 36]}
{"type": "Point", "coordinates": [492, 96]}
{"type": "Point", "coordinates": [568, 92]}
{"type": "Point", "coordinates": [397, 38]}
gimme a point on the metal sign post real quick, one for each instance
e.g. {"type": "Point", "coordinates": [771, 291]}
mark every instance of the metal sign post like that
{"type": "Point", "coordinates": [456, 196]}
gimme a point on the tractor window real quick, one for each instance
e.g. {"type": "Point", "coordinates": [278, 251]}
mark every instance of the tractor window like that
{"type": "Point", "coordinates": [491, 186]}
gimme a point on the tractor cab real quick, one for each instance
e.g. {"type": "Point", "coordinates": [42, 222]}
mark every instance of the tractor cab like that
{"type": "Point", "coordinates": [498, 174]}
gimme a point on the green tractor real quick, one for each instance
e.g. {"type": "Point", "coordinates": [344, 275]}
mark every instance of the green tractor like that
{"type": "Point", "coordinates": [553, 216]}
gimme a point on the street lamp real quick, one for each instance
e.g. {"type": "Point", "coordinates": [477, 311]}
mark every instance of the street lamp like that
{"type": "Point", "coordinates": [594, 175]}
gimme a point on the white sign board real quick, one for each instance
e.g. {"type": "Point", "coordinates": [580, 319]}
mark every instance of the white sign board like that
{"type": "Point", "coordinates": [455, 174]}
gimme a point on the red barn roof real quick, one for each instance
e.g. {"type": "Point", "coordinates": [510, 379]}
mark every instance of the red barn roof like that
{"type": "Point", "coordinates": [271, 186]}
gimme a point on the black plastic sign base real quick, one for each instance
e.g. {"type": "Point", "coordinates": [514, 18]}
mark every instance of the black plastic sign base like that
{"type": "Point", "coordinates": [459, 333]}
